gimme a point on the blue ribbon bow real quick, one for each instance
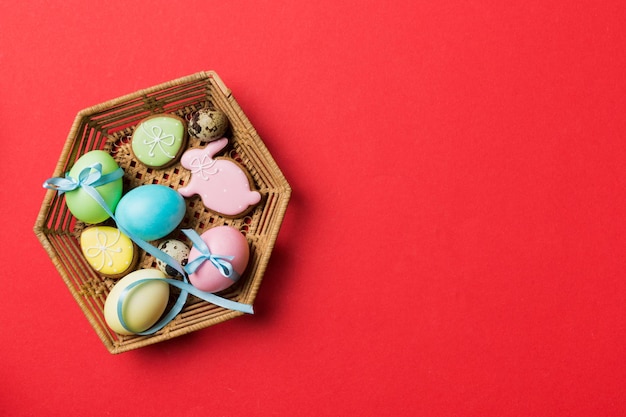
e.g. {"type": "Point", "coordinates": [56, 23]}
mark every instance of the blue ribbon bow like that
{"type": "Point", "coordinates": [221, 262]}
{"type": "Point", "coordinates": [89, 176]}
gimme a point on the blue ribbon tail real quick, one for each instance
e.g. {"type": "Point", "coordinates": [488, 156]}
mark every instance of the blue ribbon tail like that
{"type": "Point", "coordinates": [185, 288]}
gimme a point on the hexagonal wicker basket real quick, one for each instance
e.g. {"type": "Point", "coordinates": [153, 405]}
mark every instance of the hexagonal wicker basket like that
{"type": "Point", "coordinates": [108, 126]}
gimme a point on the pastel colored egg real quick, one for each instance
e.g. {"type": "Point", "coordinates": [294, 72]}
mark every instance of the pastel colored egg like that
{"type": "Point", "coordinates": [177, 250]}
{"type": "Point", "coordinates": [150, 212]}
{"type": "Point", "coordinates": [80, 203]}
{"type": "Point", "coordinates": [225, 241]}
{"type": "Point", "coordinates": [108, 251]}
{"type": "Point", "coordinates": [206, 124]}
{"type": "Point", "coordinates": [159, 140]}
{"type": "Point", "coordinates": [142, 306]}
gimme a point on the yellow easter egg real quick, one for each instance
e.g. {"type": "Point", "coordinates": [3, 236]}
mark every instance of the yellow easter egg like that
{"type": "Point", "coordinates": [143, 305]}
{"type": "Point", "coordinates": [108, 251]}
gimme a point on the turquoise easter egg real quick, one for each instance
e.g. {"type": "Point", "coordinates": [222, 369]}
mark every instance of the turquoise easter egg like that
{"type": "Point", "coordinates": [80, 203]}
{"type": "Point", "coordinates": [150, 212]}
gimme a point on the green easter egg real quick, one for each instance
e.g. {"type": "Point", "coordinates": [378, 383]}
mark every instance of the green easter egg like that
{"type": "Point", "coordinates": [80, 203]}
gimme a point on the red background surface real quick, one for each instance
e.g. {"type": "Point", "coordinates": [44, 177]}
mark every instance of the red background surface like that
{"type": "Point", "coordinates": [455, 240]}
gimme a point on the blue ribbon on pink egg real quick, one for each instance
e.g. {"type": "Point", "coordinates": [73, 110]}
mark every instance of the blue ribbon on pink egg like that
{"type": "Point", "coordinates": [91, 177]}
{"type": "Point", "coordinates": [220, 262]}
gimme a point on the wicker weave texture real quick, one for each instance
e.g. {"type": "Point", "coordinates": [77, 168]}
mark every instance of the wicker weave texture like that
{"type": "Point", "coordinates": [109, 126]}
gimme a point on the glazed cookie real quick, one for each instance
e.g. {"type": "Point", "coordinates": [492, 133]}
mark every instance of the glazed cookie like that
{"type": "Point", "coordinates": [159, 140]}
{"type": "Point", "coordinates": [222, 183]}
{"type": "Point", "coordinates": [208, 124]}
{"type": "Point", "coordinates": [108, 251]}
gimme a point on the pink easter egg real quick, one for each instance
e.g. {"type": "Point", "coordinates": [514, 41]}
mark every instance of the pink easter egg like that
{"type": "Point", "coordinates": [224, 241]}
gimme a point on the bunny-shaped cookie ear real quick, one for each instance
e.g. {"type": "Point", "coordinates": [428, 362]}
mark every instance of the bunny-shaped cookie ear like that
{"type": "Point", "coordinates": [214, 147]}
{"type": "Point", "coordinates": [222, 183]}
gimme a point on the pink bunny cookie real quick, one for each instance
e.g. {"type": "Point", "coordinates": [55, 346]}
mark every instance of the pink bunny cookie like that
{"type": "Point", "coordinates": [222, 184]}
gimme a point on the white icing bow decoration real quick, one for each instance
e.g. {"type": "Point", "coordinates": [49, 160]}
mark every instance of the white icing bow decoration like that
{"type": "Point", "coordinates": [203, 166]}
{"type": "Point", "coordinates": [103, 248]}
{"type": "Point", "coordinates": [157, 138]}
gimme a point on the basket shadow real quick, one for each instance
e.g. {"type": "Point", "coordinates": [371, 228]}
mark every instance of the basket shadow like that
{"type": "Point", "coordinates": [281, 268]}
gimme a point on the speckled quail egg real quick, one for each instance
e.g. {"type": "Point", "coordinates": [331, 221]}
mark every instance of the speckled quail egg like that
{"type": "Point", "coordinates": [177, 250]}
{"type": "Point", "coordinates": [208, 125]}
